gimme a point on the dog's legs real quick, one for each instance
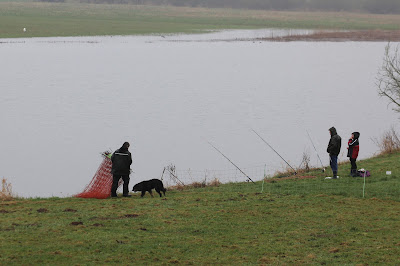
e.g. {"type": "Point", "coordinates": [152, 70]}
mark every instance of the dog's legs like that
{"type": "Point", "coordinates": [143, 192]}
{"type": "Point", "coordinates": [151, 193]}
{"type": "Point", "coordinates": [158, 191]}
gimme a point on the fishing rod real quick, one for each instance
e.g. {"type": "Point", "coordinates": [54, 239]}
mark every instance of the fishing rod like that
{"type": "Point", "coordinates": [323, 168]}
{"type": "Point", "coordinates": [230, 161]}
{"type": "Point", "coordinates": [275, 151]}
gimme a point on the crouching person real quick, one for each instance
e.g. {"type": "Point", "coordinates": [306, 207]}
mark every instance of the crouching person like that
{"type": "Point", "coordinates": [121, 162]}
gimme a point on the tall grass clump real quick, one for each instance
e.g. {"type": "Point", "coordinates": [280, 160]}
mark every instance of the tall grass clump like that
{"type": "Point", "coordinates": [305, 162]}
{"type": "Point", "coordinates": [6, 190]}
{"type": "Point", "coordinates": [389, 142]}
{"type": "Point", "coordinates": [213, 183]}
{"type": "Point", "coordinates": [304, 167]}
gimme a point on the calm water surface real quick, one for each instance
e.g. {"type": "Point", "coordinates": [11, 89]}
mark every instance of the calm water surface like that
{"type": "Point", "coordinates": [65, 100]}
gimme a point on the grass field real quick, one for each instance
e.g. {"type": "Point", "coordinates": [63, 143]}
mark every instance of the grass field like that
{"type": "Point", "coordinates": [74, 19]}
{"type": "Point", "coordinates": [292, 221]}
{"type": "Point", "coordinates": [300, 220]}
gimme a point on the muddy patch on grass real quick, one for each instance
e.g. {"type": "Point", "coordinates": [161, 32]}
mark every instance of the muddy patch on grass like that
{"type": "Point", "coordinates": [321, 235]}
{"type": "Point", "coordinates": [42, 210]}
{"type": "Point", "coordinates": [69, 210]}
{"type": "Point", "coordinates": [76, 223]}
{"type": "Point", "coordinates": [7, 229]}
{"type": "Point", "coordinates": [333, 250]}
{"type": "Point", "coordinates": [102, 218]}
{"type": "Point", "coordinates": [97, 225]}
{"type": "Point", "coordinates": [14, 225]}
{"type": "Point", "coordinates": [294, 177]}
{"type": "Point", "coordinates": [131, 215]}
{"type": "Point", "coordinates": [8, 203]}
{"type": "Point", "coordinates": [27, 225]}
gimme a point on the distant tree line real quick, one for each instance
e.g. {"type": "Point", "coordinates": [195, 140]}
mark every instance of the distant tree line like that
{"type": "Point", "coordinates": [370, 6]}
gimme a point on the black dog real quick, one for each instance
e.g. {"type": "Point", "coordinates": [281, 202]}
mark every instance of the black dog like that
{"type": "Point", "coordinates": [149, 185]}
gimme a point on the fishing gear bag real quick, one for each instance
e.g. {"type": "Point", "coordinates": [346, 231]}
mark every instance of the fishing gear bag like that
{"type": "Point", "coordinates": [363, 173]}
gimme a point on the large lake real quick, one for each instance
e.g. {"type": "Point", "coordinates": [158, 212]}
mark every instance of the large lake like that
{"type": "Point", "coordinates": [65, 100]}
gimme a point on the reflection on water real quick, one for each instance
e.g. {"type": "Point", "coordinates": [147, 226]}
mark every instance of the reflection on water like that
{"type": "Point", "coordinates": [65, 100]}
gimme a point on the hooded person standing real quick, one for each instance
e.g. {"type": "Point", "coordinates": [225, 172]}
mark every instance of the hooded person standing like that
{"type": "Point", "coordinates": [121, 166]}
{"type": "Point", "coordinates": [334, 149]}
{"type": "Point", "coordinates": [352, 153]}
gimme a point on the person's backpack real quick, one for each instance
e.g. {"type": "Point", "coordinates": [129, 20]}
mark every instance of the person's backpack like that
{"type": "Point", "coordinates": [363, 173]}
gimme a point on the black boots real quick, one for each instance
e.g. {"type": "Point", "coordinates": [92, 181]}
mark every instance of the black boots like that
{"type": "Point", "coordinates": [353, 173]}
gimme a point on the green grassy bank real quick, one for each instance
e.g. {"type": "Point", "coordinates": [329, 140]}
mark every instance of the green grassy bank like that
{"type": "Point", "coordinates": [329, 223]}
{"type": "Point", "coordinates": [75, 19]}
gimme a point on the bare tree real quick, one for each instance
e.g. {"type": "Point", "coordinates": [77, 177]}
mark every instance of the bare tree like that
{"type": "Point", "coordinates": [388, 79]}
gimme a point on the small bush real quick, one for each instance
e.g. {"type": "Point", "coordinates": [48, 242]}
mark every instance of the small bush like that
{"type": "Point", "coordinates": [304, 167]}
{"type": "Point", "coordinates": [283, 173]}
{"type": "Point", "coordinates": [305, 162]}
{"type": "Point", "coordinates": [389, 142]}
{"type": "Point", "coordinates": [6, 190]}
{"type": "Point", "coordinates": [214, 183]}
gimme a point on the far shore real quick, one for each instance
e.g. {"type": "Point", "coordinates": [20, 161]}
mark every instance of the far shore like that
{"type": "Point", "coordinates": [342, 36]}
{"type": "Point", "coordinates": [43, 19]}
{"type": "Point", "coordinates": [318, 36]}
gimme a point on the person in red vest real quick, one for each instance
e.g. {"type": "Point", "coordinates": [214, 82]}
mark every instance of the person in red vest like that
{"type": "Point", "coordinates": [352, 153]}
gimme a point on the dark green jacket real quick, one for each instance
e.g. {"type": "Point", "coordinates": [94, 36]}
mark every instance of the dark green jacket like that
{"type": "Point", "coordinates": [334, 143]}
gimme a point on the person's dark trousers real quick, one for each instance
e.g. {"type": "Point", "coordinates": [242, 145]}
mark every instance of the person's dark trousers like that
{"type": "Point", "coordinates": [114, 186]}
{"type": "Point", "coordinates": [125, 188]}
{"type": "Point", "coordinates": [353, 167]}
{"type": "Point", "coordinates": [334, 166]}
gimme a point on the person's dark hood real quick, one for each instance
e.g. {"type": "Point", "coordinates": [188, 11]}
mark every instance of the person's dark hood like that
{"type": "Point", "coordinates": [124, 147]}
{"type": "Point", "coordinates": [356, 135]}
{"type": "Point", "coordinates": [333, 131]}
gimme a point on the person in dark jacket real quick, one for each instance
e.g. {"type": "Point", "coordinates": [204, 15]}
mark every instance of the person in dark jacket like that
{"type": "Point", "coordinates": [352, 153]}
{"type": "Point", "coordinates": [334, 149]}
{"type": "Point", "coordinates": [121, 166]}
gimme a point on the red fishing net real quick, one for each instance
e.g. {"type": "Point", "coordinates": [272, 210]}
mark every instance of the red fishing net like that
{"type": "Point", "coordinates": [100, 186]}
